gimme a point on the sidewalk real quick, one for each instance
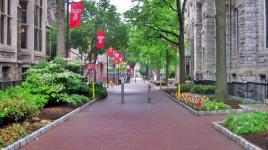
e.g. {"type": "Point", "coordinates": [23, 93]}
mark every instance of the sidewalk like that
{"type": "Point", "coordinates": [136, 125]}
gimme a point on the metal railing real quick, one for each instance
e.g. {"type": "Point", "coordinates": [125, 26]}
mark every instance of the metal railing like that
{"type": "Point", "coordinates": [253, 90]}
{"type": "Point", "coordinates": [7, 84]}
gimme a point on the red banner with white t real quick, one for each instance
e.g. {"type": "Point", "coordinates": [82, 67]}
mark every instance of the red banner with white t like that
{"type": "Point", "coordinates": [75, 14]}
{"type": "Point", "coordinates": [100, 42]}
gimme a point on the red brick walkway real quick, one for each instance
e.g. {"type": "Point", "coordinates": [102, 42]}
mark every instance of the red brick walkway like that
{"type": "Point", "coordinates": [136, 125]}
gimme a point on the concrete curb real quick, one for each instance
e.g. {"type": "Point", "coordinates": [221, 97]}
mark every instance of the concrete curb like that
{"type": "Point", "coordinates": [234, 137]}
{"type": "Point", "coordinates": [207, 113]}
{"type": "Point", "coordinates": [35, 135]}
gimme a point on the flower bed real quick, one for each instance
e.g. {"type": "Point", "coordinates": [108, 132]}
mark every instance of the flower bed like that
{"type": "Point", "coordinates": [252, 126]}
{"type": "Point", "coordinates": [201, 102]}
{"type": "Point", "coordinates": [204, 105]}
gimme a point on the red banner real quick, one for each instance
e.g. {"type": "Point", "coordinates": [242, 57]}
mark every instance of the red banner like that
{"type": "Point", "coordinates": [100, 40]}
{"type": "Point", "coordinates": [110, 52]}
{"type": "Point", "coordinates": [91, 67]}
{"type": "Point", "coordinates": [116, 55]}
{"type": "Point", "coordinates": [75, 14]}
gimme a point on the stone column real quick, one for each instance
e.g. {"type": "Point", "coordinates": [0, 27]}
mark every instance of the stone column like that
{"type": "Point", "coordinates": [209, 68]}
{"type": "Point", "coordinates": [197, 41]}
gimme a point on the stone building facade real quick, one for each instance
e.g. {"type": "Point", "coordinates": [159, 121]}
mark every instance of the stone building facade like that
{"type": "Point", "coordinates": [246, 44]}
{"type": "Point", "coordinates": [23, 34]}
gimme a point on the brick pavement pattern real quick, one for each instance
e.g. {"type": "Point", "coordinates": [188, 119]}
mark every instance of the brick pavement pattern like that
{"type": "Point", "coordinates": [136, 125]}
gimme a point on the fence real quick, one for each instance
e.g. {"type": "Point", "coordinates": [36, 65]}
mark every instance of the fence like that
{"type": "Point", "coordinates": [7, 84]}
{"type": "Point", "coordinates": [257, 91]}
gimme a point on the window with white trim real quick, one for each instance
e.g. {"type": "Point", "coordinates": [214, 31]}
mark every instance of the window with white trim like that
{"type": "Point", "coordinates": [266, 23]}
{"type": "Point", "coordinates": [24, 25]}
{"type": "Point", "coordinates": [38, 25]}
{"type": "Point", "coordinates": [5, 22]}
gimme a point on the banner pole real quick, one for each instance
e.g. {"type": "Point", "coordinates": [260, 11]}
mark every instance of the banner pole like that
{"type": "Point", "coordinates": [67, 29]}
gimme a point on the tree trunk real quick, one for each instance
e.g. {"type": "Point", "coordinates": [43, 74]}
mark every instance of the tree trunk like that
{"type": "Point", "coordinates": [180, 15]}
{"type": "Point", "coordinates": [182, 54]}
{"type": "Point", "coordinates": [158, 71]}
{"type": "Point", "coordinates": [167, 66]}
{"type": "Point", "coordinates": [221, 72]}
{"type": "Point", "coordinates": [177, 76]}
{"type": "Point", "coordinates": [60, 32]}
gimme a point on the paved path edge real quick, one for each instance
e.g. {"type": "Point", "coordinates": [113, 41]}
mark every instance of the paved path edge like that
{"type": "Point", "coordinates": [207, 113]}
{"type": "Point", "coordinates": [36, 134]}
{"type": "Point", "coordinates": [234, 137]}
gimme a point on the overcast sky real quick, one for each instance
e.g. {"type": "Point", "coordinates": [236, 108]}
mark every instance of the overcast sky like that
{"type": "Point", "coordinates": [122, 5]}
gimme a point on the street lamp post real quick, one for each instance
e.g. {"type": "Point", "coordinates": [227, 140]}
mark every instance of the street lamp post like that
{"type": "Point", "coordinates": [67, 28]}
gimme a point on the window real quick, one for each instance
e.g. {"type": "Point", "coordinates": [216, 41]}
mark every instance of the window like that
{"type": "Point", "coordinates": [2, 29]}
{"type": "Point", "coordinates": [236, 31]}
{"type": "Point", "coordinates": [23, 36]}
{"type": "Point", "coordinates": [2, 6]}
{"type": "Point", "coordinates": [23, 5]}
{"type": "Point", "coordinates": [266, 22]}
{"type": "Point", "coordinates": [24, 70]}
{"type": "Point", "coordinates": [5, 73]}
{"type": "Point", "coordinates": [5, 22]}
{"type": "Point", "coordinates": [24, 25]}
{"type": "Point", "coordinates": [38, 25]}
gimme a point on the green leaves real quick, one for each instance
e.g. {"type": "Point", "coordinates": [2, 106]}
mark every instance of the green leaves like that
{"type": "Point", "coordinates": [214, 105]}
{"type": "Point", "coordinates": [250, 123]}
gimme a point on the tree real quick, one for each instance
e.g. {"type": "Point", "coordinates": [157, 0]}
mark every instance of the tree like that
{"type": "Point", "coordinates": [221, 70]}
{"type": "Point", "coordinates": [60, 29]}
{"type": "Point", "coordinates": [150, 50]}
{"type": "Point", "coordinates": [166, 18]}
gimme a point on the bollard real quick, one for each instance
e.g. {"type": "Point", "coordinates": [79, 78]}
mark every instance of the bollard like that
{"type": "Point", "coordinates": [149, 93]}
{"type": "Point", "coordinates": [93, 89]}
{"type": "Point", "coordinates": [122, 91]}
{"type": "Point", "coordinates": [179, 90]}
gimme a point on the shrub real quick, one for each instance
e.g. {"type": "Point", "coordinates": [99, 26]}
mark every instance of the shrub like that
{"type": "Point", "coordinates": [100, 90]}
{"type": "Point", "coordinates": [57, 78]}
{"type": "Point", "coordinates": [73, 98]}
{"type": "Point", "coordinates": [214, 105]}
{"type": "Point", "coordinates": [186, 88]}
{"type": "Point", "coordinates": [197, 89]}
{"type": "Point", "coordinates": [208, 89]}
{"type": "Point", "coordinates": [200, 89]}
{"type": "Point", "coordinates": [250, 123]}
{"type": "Point", "coordinates": [17, 104]}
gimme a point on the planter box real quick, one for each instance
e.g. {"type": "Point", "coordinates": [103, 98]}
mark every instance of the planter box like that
{"type": "Point", "coordinates": [234, 137]}
{"type": "Point", "coordinates": [206, 113]}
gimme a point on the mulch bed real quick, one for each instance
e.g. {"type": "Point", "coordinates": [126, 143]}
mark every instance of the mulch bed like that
{"type": "Point", "coordinates": [48, 115]}
{"type": "Point", "coordinates": [233, 103]}
{"type": "Point", "coordinates": [54, 112]}
{"type": "Point", "coordinates": [260, 139]}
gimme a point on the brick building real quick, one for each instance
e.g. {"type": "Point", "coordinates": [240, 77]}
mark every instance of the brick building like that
{"type": "Point", "coordinates": [23, 36]}
{"type": "Point", "coordinates": [246, 44]}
